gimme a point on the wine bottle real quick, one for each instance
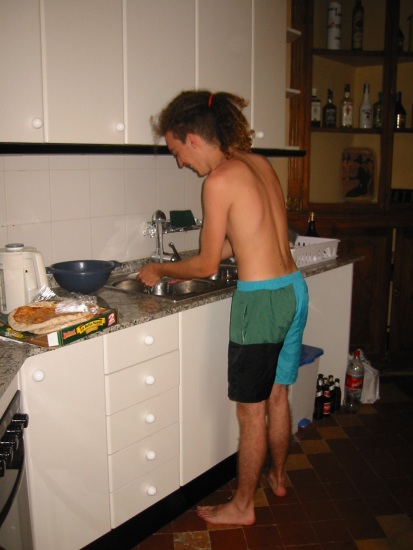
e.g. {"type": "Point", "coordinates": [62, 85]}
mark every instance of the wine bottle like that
{"type": "Point", "coordinates": [311, 230]}
{"type": "Point", "coordinates": [329, 111]}
{"type": "Point", "coordinates": [334, 25]}
{"type": "Point", "coordinates": [346, 109]}
{"type": "Point", "coordinates": [315, 109]}
{"type": "Point", "coordinates": [378, 112]}
{"type": "Point", "coordinates": [357, 27]}
{"type": "Point", "coordinates": [366, 110]}
{"type": "Point", "coordinates": [399, 113]}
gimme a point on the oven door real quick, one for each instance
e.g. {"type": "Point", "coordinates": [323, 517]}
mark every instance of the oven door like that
{"type": "Point", "coordinates": [15, 529]}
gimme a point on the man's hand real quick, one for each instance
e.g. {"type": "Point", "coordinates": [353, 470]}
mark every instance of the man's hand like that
{"type": "Point", "coordinates": [149, 274]}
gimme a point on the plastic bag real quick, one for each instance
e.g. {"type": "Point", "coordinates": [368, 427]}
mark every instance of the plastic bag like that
{"type": "Point", "coordinates": [75, 303]}
{"type": "Point", "coordinates": [371, 384]}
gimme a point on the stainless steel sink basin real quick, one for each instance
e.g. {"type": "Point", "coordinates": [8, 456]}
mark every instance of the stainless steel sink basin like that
{"type": "Point", "coordinates": [178, 289]}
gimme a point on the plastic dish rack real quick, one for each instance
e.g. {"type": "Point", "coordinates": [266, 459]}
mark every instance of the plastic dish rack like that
{"type": "Point", "coordinates": [313, 250]}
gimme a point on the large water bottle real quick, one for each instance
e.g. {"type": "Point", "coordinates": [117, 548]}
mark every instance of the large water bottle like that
{"type": "Point", "coordinates": [354, 383]}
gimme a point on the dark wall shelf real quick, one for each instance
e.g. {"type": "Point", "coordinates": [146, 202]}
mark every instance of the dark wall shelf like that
{"type": "Point", "coordinates": [97, 149]}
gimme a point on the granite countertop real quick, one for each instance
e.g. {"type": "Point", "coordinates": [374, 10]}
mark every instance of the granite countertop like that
{"type": "Point", "coordinates": [134, 309]}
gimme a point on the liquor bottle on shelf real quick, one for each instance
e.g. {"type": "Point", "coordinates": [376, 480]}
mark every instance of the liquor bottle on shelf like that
{"type": "Point", "coordinates": [357, 27]}
{"type": "Point", "coordinates": [346, 109]}
{"type": "Point", "coordinates": [378, 111]}
{"type": "Point", "coordinates": [311, 230]}
{"type": "Point", "coordinates": [400, 41]}
{"type": "Point", "coordinates": [315, 109]}
{"type": "Point", "coordinates": [333, 25]}
{"type": "Point", "coordinates": [366, 110]}
{"type": "Point", "coordinates": [399, 113]}
{"type": "Point", "coordinates": [329, 111]}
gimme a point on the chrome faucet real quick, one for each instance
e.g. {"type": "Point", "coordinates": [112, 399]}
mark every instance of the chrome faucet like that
{"type": "Point", "coordinates": [158, 220]}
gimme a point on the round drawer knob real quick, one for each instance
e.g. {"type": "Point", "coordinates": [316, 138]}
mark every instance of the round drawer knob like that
{"type": "Point", "coordinates": [151, 491]}
{"type": "Point", "coordinates": [120, 126]}
{"type": "Point", "coordinates": [259, 135]}
{"type": "Point", "coordinates": [38, 376]}
{"type": "Point", "coordinates": [149, 340]}
{"type": "Point", "coordinates": [150, 418]}
{"type": "Point", "coordinates": [37, 123]}
{"type": "Point", "coordinates": [150, 380]}
{"type": "Point", "coordinates": [151, 455]}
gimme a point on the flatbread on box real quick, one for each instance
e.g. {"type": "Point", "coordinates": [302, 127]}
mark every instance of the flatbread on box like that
{"type": "Point", "coordinates": [41, 318]}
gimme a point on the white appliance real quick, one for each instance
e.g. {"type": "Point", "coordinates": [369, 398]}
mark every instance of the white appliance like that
{"type": "Point", "coordinates": [22, 274]}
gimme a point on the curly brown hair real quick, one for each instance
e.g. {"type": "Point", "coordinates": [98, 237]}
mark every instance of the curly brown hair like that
{"type": "Point", "coordinates": [217, 118]}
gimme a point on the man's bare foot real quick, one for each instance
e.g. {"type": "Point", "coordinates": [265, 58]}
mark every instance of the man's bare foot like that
{"type": "Point", "coordinates": [226, 514]}
{"type": "Point", "coordinates": [277, 488]}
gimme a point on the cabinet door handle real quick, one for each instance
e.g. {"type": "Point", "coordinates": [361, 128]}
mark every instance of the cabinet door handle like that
{"type": "Point", "coordinates": [37, 123]}
{"type": "Point", "coordinates": [38, 376]}
{"type": "Point", "coordinates": [150, 455]}
{"type": "Point", "coordinates": [259, 135]}
{"type": "Point", "coordinates": [149, 340]}
{"type": "Point", "coordinates": [150, 380]}
{"type": "Point", "coordinates": [150, 418]}
{"type": "Point", "coordinates": [120, 126]}
{"type": "Point", "coordinates": [151, 490]}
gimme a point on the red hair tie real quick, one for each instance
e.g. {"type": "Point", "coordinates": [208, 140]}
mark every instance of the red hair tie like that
{"type": "Point", "coordinates": [210, 100]}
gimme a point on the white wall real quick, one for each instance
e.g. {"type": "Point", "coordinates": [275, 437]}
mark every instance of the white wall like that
{"type": "Point", "coordinates": [74, 207]}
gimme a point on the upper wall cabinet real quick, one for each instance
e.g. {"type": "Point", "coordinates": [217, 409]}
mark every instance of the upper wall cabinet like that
{"type": "Point", "coordinates": [21, 96]}
{"type": "Point", "coordinates": [246, 56]}
{"type": "Point", "coordinates": [82, 71]}
{"type": "Point", "coordinates": [159, 60]}
{"type": "Point", "coordinates": [102, 68]}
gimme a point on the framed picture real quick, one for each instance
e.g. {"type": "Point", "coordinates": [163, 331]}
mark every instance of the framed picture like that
{"type": "Point", "coordinates": [358, 169]}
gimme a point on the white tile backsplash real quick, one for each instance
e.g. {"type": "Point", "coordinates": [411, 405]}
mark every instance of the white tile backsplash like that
{"type": "Point", "coordinates": [92, 206]}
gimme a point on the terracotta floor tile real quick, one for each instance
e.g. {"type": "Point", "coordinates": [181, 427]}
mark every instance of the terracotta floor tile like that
{"type": "Point", "coordinates": [233, 539]}
{"type": "Point", "coordinates": [349, 487]}
{"type": "Point", "coordinates": [315, 446]}
{"type": "Point", "coordinates": [196, 540]}
{"type": "Point", "coordinates": [262, 537]}
{"type": "Point", "coordinates": [297, 462]}
{"type": "Point", "coordinates": [297, 533]}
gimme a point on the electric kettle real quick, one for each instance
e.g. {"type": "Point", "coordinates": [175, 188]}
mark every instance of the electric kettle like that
{"type": "Point", "coordinates": [22, 274]}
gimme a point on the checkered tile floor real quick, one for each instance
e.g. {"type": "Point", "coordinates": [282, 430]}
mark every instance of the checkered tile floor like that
{"type": "Point", "coordinates": [350, 486]}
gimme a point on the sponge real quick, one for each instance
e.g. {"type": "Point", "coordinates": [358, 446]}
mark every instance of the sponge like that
{"type": "Point", "coordinates": [181, 218]}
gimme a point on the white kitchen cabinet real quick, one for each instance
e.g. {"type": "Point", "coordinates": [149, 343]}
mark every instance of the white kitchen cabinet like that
{"type": "Point", "coordinates": [83, 71]}
{"type": "Point", "coordinates": [246, 56]}
{"type": "Point", "coordinates": [159, 60]}
{"type": "Point", "coordinates": [21, 94]}
{"type": "Point", "coordinates": [209, 427]}
{"type": "Point", "coordinates": [329, 318]}
{"type": "Point", "coordinates": [142, 407]}
{"type": "Point", "coordinates": [63, 393]}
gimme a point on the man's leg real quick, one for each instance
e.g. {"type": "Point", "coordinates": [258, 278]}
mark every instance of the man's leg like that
{"type": "Point", "coordinates": [251, 456]}
{"type": "Point", "coordinates": [279, 432]}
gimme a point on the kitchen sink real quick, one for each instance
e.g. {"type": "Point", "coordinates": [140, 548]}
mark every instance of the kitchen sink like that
{"type": "Point", "coordinates": [177, 289]}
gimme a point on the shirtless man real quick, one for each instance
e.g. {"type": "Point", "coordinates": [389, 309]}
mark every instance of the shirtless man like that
{"type": "Point", "coordinates": [243, 216]}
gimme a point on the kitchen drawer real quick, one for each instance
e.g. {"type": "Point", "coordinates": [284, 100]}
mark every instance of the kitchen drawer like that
{"type": "Point", "coordinates": [130, 425]}
{"type": "Point", "coordinates": [130, 386]}
{"type": "Point", "coordinates": [143, 492]}
{"type": "Point", "coordinates": [139, 343]}
{"type": "Point", "coordinates": [136, 460]}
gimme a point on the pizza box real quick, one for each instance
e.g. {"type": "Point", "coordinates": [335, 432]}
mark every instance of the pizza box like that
{"type": "Point", "coordinates": [105, 319]}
